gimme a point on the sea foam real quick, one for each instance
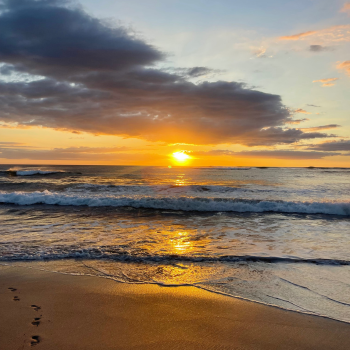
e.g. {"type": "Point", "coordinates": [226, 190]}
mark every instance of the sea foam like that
{"type": "Point", "coordinates": [177, 203]}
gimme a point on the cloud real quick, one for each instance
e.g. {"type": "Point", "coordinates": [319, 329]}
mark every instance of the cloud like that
{"type": "Point", "coordinates": [198, 71]}
{"type": "Point", "coordinates": [76, 153]}
{"type": "Point", "coordinates": [10, 144]}
{"type": "Point", "coordinates": [298, 36]}
{"type": "Point", "coordinates": [326, 82]}
{"type": "Point", "coordinates": [273, 154]}
{"type": "Point", "coordinates": [340, 33]}
{"type": "Point", "coordinates": [261, 53]}
{"type": "Point", "coordinates": [318, 48]}
{"type": "Point", "coordinates": [344, 65]}
{"type": "Point", "coordinates": [83, 75]}
{"type": "Point", "coordinates": [346, 8]}
{"type": "Point", "coordinates": [319, 128]}
{"type": "Point", "coordinates": [300, 110]}
{"type": "Point", "coordinates": [341, 145]}
{"type": "Point", "coordinates": [72, 41]}
{"type": "Point", "coordinates": [313, 105]}
{"type": "Point", "coordinates": [274, 136]}
{"type": "Point", "coordinates": [297, 121]}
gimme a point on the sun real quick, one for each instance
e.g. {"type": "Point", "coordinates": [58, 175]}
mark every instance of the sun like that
{"type": "Point", "coordinates": [181, 156]}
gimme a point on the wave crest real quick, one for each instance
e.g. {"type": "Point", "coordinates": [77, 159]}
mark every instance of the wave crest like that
{"type": "Point", "coordinates": [176, 203]}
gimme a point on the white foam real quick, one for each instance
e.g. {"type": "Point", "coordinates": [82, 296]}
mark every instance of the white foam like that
{"type": "Point", "coordinates": [35, 172]}
{"type": "Point", "coordinates": [176, 203]}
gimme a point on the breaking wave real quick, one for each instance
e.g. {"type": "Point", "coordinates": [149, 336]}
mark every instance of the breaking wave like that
{"type": "Point", "coordinates": [176, 203]}
{"type": "Point", "coordinates": [119, 254]}
{"type": "Point", "coordinates": [31, 172]}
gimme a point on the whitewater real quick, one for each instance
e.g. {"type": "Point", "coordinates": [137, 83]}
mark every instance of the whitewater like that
{"type": "Point", "coordinates": [278, 236]}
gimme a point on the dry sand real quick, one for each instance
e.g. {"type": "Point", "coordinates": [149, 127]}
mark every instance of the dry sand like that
{"type": "Point", "coordinates": [90, 313]}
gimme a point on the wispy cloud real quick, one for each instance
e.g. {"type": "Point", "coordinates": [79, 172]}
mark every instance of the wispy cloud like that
{"type": "Point", "coordinates": [346, 8]}
{"type": "Point", "coordinates": [297, 121]}
{"type": "Point", "coordinates": [273, 154]}
{"type": "Point", "coordinates": [10, 144]}
{"type": "Point", "coordinates": [298, 36]}
{"type": "Point", "coordinates": [322, 127]}
{"type": "Point", "coordinates": [112, 154]}
{"type": "Point", "coordinates": [340, 33]}
{"type": "Point", "coordinates": [326, 82]}
{"type": "Point", "coordinates": [300, 110]}
{"type": "Point", "coordinates": [261, 53]}
{"type": "Point", "coordinates": [345, 66]}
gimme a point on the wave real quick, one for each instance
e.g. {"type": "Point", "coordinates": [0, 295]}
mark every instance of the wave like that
{"type": "Point", "coordinates": [224, 168]}
{"type": "Point", "coordinates": [117, 254]}
{"type": "Point", "coordinates": [36, 172]}
{"type": "Point", "coordinates": [176, 203]}
{"type": "Point", "coordinates": [148, 189]}
{"type": "Point", "coordinates": [31, 172]}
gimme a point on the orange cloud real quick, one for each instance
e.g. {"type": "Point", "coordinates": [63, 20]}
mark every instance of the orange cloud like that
{"type": "Point", "coordinates": [300, 110]}
{"type": "Point", "coordinates": [298, 36]}
{"type": "Point", "coordinates": [326, 82]}
{"type": "Point", "coordinates": [297, 121]}
{"type": "Point", "coordinates": [344, 65]}
{"type": "Point", "coordinates": [346, 7]}
{"type": "Point", "coordinates": [322, 127]}
{"type": "Point", "coordinates": [327, 35]}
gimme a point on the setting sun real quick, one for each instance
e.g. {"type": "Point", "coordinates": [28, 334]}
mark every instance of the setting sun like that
{"type": "Point", "coordinates": [181, 156]}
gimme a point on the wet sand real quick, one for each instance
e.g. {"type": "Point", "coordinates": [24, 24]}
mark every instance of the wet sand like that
{"type": "Point", "coordinates": [52, 311]}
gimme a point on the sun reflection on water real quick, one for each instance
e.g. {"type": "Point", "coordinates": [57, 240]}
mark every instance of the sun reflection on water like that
{"type": "Point", "coordinates": [180, 242]}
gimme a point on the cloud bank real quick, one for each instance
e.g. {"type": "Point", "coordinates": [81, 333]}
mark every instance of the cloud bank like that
{"type": "Point", "coordinates": [273, 154]}
{"type": "Point", "coordinates": [64, 69]}
{"type": "Point", "coordinates": [341, 145]}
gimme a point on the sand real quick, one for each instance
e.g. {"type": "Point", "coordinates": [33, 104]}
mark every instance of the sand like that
{"type": "Point", "coordinates": [58, 312]}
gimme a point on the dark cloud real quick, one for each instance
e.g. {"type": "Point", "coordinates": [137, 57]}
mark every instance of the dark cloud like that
{"type": "Point", "coordinates": [273, 136]}
{"type": "Point", "coordinates": [318, 48]}
{"type": "Point", "coordinates": [198, 71]}
{"type": "Point", "coordinates": [341, 145]}
{"type": "Point", "coordinates": [88, 76]}
{"type": "Point", "coordinates": [273, 154]}
{"type": "Point", "coordinates": [45, 38]}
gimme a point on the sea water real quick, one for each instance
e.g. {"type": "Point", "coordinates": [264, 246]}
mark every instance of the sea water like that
{"type": "Point", "coordinates": [278, 236]}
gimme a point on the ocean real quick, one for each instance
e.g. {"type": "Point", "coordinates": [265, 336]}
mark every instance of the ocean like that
{"type": "Point", "coordinates": [277, 236]}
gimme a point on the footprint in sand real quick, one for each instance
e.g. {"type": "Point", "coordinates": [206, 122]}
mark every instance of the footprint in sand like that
{"type": "Point", "coordinates": [16, 298]}
{"type": "Point", "coordinates": [36, 321]}
{"type": "Point", "coordinates": [35, 340]}
{"type": "Point", "coordinates": [36, 307]}
{"type": "Point", "coordinates": [12, 289]}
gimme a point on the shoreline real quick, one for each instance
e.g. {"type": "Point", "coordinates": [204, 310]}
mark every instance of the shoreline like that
{"type": "Point", "coordinates": [90, 313]}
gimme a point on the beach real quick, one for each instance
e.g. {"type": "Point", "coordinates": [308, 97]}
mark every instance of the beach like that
{"type": "Point", "coordinates": [87, 312]}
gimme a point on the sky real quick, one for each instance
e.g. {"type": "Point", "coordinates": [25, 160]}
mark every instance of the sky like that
{"type": "Point", "coordinates": [227, 83]}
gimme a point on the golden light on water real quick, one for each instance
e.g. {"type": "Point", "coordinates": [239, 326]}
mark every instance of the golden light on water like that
{"type": "Point", "coordinates": [180, 242]}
